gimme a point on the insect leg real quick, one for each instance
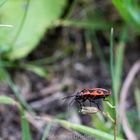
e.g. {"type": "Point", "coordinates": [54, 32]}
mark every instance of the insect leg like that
{"type": "Point", "coordinates": [90, 102]}
{"type": "Point", "coordinates": [97, 103]}
{"type": "Point", "coordinates": [83, 101]}
{"type": "Point", "coordinates": [104, 99]}
{"type": "Point", "coordinates": [80, 103]}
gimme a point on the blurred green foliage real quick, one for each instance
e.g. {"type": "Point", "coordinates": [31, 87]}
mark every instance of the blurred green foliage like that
{"type": "Point", "coordinates": [26, 135]}
{"type": "Point", "coordinates": [30, 20]}
{"type": "Point", "coordinates": [130, 11]}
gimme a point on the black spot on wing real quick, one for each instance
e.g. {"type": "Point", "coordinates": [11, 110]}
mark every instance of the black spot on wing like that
{"type": "Point", "coordinates": [105, 92]}
{"type": "Point", "coordinates": [99, 92]}
{"type": "Point", "coordinates": [84, 90]}
{"type": "Point", "coordinates": [91, 91]}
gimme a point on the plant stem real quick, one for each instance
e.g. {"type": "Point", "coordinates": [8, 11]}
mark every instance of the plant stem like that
{"type": "Point", "coordinates": [112, 78]}
{"type": "Point", "coordinates": [112, 64]}
{"type": "Point", "coordinates": [115, 129]}
{"type": "Point", "coordinates": [108, 115]}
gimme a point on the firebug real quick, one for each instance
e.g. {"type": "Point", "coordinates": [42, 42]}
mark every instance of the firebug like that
{"type": "Point", "coordinates": [93, 95]}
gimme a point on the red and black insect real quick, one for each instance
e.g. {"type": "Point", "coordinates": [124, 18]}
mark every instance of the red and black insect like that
{"type": "Point", "coordinates": [93, 95]}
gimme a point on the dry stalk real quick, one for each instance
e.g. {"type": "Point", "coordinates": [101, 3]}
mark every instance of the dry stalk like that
{"type": "Point", "coordinates": [123, 96]}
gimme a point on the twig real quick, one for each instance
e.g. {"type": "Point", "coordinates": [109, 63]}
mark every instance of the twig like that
{"type": "Point", "coordinates": [123, 96]}
{"type": "Point", "coordinates": [55, 87]}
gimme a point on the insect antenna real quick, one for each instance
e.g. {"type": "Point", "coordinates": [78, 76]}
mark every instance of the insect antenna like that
{"type": "Point", "coordinates": [70, 103]}
{"type": "Point", "coordinates": [68, 97]}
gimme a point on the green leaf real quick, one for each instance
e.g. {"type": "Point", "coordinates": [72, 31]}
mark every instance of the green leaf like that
{"type": "Point", "coordinates": [30, 20]}
{"type": "Point", "coordinates": [3, 2]}
{"type": "Point", "coordinates": [7, 100]}
{"type": "Point", "coordinates": [24, 123]}
{"type": "Point", "coordinates": [37, 70]}
{"type": "Point", "coordinates": [46, 131]}
{"type": "Point", "coordinates": [3, 74]}
{"type": "Point", "coordinates": [99, 123]}
{"type": "Point", "coordinates": [137, 97]}
{"type": "Point", "coordinates": [130, 11]}
{"type": "Point", "coordinates": [87, 130]}
{"type": "Point", "coordinates": [26, 135]}
{"type": "Point", "coordinates": [87, 24]}
{"type": "Point", "coordinates": [18, 95]}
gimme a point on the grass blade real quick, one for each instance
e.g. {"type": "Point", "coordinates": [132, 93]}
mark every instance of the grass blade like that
{"type": "Point", "coordinates": [118, 70]}
{"type": "Point", "coordinates": [87, 130]}
{"type": "Point", "coordinates": [26, 135]}
{"type": "Point", "coordinates": [112, 64]}
{"type": "Point", "coordinates": [7, 100]}
{"type": "Point", "coordinates": [137, 97]}
{"type": "Point", "coordinates": [46, 132]}
{"type": "Point", "coordinates": [130, 11]}
{"type": "Point", "coordinates": [17, 94]}
{"type": "Point", "coordinates": [42, 72]}
{"type": "Point", "coordinates": [87, 24]}
{"type": "Point", "coordinates": [2, 2]}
